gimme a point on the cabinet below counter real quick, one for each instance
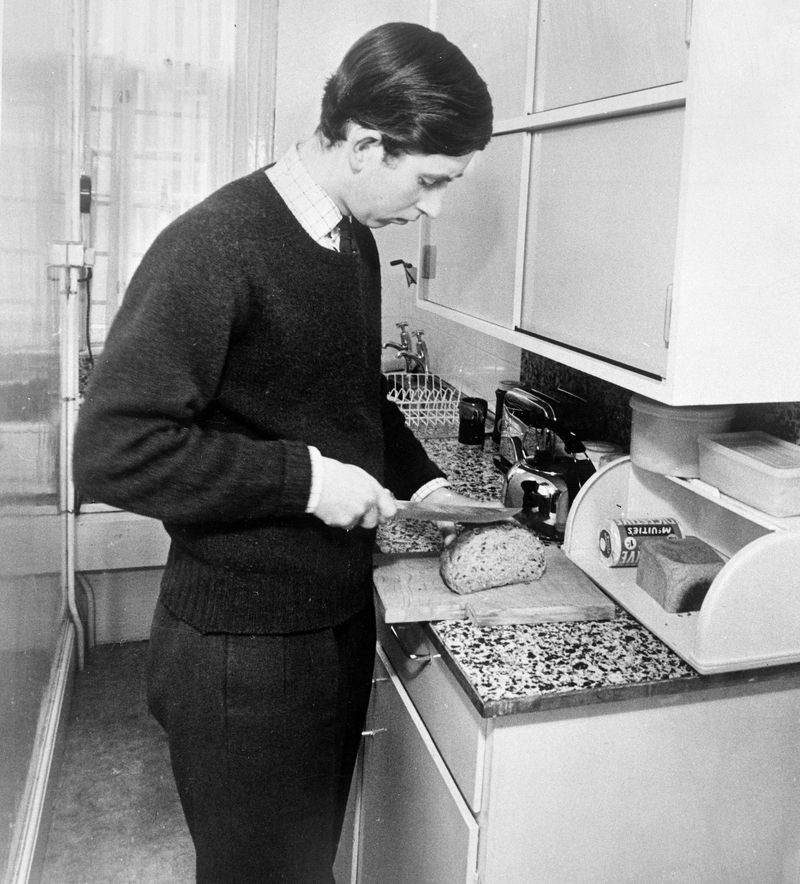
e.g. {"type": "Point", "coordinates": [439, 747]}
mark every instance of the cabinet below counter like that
{"type": "Point", "coordinates": [657, 787]}
{"type": "Point", "coordinates": [579, 752]}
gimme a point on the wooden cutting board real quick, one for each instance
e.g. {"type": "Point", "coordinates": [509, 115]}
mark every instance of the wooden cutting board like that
{"type": "Point", "coordinates": [411, 589]}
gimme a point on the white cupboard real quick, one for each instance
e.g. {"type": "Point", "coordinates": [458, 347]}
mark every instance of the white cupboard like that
{"type": "Point", "coordinates": [406, 818]}
{"type": "Point", "coordinates": [639, 219]}
{"type": "Point", "coordinates": [695, 782]}
{"type": "Point", "coordinates": [414, 824]}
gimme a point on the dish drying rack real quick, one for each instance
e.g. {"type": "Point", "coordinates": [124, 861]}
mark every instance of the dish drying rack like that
{"type": "Point", "coordinates": [427, 401]}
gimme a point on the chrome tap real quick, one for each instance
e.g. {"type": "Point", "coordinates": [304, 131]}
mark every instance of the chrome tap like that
{"type": "Point", "coordinates": [404, 351]}
{"type": "Point", "coordinates": [414, 364]}
{"type": "Point", "coordinates": [422, 351]}
{"type": "Point", "coordinates": [405, 338]}
{"type": "Point", "coordinates": [417, 359]}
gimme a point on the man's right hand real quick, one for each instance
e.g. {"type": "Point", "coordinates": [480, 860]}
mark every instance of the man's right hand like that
{"type": "Point", "coordinates": [351, 497]}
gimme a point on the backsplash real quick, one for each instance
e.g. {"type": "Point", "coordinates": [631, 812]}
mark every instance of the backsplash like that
{"type": "Point", "coordinates": [613, 416]}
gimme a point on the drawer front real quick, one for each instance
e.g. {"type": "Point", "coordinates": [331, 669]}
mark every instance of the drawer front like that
{"type": "Point", "coordinates": [454, 724]}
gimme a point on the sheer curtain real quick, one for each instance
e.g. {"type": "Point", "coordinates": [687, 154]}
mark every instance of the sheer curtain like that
{"type": "Point", "coordinates": [35, 159]}
{"type": "Point", "coordinates": [180, 97]}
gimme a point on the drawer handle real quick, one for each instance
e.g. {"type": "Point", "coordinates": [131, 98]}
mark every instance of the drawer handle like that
{"type": "Point", "coordinates": [373, 732]}
{"type": "Point", "coordinates": [416, 658]}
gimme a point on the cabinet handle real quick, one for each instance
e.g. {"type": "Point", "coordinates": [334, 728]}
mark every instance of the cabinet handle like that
{"type": "Point", "coordinates": [417, 658]}
{"type": "Point", "coordinates": [667, 314]}
{"type": "Point", "coordinates": [428, 262]}
{"type": "Point", "coordinates": [687, 36]}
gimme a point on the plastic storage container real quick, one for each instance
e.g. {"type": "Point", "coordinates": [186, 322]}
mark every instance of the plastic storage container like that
{"type": "Point", "coordinates": [664, 437]}
{"type": "Point", "coordinates": [754, 467]}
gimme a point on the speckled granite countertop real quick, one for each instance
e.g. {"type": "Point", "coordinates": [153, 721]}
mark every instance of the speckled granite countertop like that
{"type": "Point", "coordinates": [509, 669]}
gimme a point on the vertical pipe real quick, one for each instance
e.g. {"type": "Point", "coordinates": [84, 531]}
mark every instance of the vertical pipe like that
{"type": "Point", "coordinates": [91, 604]}
{"type": "Point", "coordinates": [69, 337]}
{"type": "Point", "coordinates": [70, 403]}
{"type": "Point", "coordinates": [77, 121]}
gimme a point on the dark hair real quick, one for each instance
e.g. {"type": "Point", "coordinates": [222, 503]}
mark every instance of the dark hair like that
{"type": "Point", "coordinates": [413, 86]}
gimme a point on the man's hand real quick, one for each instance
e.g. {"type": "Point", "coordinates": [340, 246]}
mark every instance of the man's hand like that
{"type": "Point", "coordinates": [351, 497]}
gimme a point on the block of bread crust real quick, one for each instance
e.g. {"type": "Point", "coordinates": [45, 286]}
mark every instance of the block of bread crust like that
{"type": "Point", "coordinates": [492, 555]}
{"type": "Point", "coordinates": [677, 572]}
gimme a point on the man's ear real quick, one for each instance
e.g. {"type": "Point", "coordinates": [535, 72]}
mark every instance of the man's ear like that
{"type": "Point", "coordinates": [363, 145]}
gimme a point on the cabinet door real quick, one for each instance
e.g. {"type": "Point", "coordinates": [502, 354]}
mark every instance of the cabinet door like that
{"type": "Point", "coordinates": [590, 49]}
{"type": "Point", "coordinates": [345, 869]}
{"type": "Point", "coordinates": [602, 228]}
{"type": "Point", "coordinates": [415, 826]}
{"type": "Point", "coordinates": [475, 239]}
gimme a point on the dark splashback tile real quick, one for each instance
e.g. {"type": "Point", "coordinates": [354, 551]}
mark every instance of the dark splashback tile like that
{"type": "Point", "coordinates": [613, 414]}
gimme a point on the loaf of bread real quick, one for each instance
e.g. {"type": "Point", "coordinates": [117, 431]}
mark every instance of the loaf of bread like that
{"type": "Point", "coordinates": [492, 555]}
{"type": "Point", "coordinates": [677, 572]}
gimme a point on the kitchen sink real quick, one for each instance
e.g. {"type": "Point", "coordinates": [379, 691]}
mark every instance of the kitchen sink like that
{"type": "Point", "coordinates": [429, 403]}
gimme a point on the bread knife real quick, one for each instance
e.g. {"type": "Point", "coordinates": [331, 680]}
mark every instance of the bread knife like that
{"type": "Point", "coordinates": [407, 509]}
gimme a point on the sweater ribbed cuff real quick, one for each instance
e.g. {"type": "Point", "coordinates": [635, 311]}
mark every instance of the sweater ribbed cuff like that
{"type": "Point", "coordinates": [317, 472]}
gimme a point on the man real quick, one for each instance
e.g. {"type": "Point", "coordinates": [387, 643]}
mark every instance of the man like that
{"type": "Point", "coordinates": [239, 399]}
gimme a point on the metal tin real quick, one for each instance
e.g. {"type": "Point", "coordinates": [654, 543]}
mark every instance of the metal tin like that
{"type": "Point", "coordinates": [619, 540]}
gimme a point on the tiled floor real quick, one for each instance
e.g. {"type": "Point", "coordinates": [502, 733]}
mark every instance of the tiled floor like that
{"type": "Point", "coordinates": [116, 817]}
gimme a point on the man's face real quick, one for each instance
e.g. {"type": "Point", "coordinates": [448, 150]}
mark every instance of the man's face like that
{"type": "Point", "coordinates": [397, 190]}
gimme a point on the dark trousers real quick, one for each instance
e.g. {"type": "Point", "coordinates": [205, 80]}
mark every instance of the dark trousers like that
{"type": "Point", "coordinates": [263, 735]}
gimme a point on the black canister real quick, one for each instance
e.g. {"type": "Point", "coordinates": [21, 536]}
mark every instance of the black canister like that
{"type": "Point", "coordinates": [472, 420]}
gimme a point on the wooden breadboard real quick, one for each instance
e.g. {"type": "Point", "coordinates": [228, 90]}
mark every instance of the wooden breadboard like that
{"type": "Point", "coordinates": [411, 589]}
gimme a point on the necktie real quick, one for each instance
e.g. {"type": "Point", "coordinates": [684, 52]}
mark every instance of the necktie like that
{"type": "Point", "coordinates": [347, 245]}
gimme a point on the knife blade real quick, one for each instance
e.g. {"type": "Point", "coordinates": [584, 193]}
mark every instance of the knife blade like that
{"type": "Point", "coordinates": [407, 509]}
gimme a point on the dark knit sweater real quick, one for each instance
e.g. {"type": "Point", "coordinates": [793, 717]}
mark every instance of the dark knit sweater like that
{"type": "Point", "coordinates": [239, 343]}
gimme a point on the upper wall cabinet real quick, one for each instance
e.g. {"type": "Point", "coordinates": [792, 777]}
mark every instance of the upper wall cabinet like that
{"type": "Point", "coordinates": [600, 238]}
{"type": "Point", "coordinates": [473, 252]}
{"type": "Point", "coordinates": [590, 50]}
{"type": "Point", "coordinates": [638, 220]}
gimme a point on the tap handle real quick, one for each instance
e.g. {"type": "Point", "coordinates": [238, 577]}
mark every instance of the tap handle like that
{"type": "Point", "coordinates": [405, 338]}
{"type": "Point", "coordinates": [422, 350]}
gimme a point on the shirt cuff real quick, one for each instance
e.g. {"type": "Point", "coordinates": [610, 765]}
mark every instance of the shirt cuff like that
{"type": "Point", "coordinates": [317, 470]}
{"type": "Point", "coordinates": [428, 488]}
